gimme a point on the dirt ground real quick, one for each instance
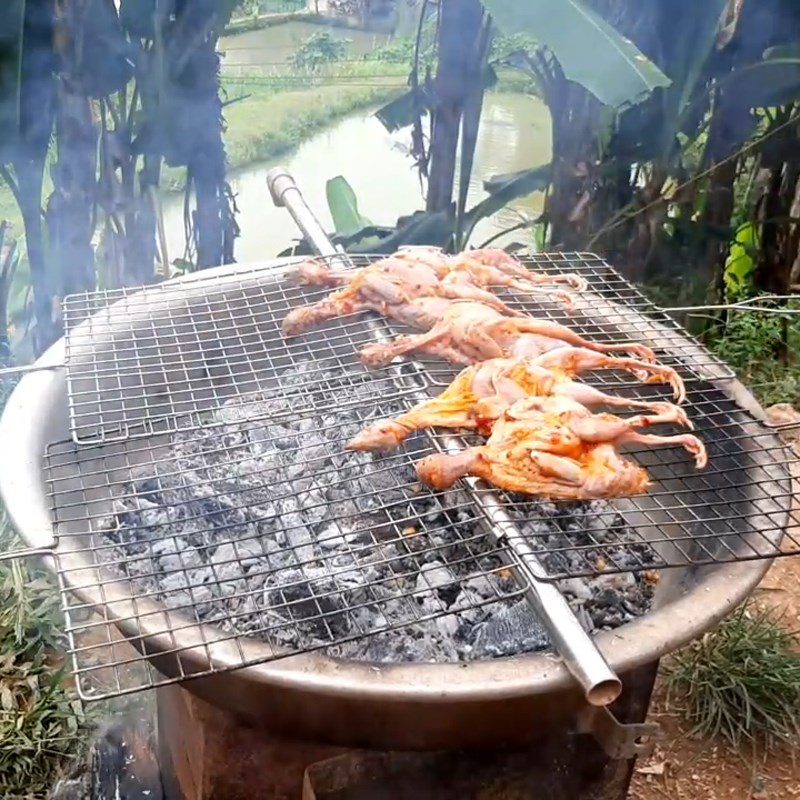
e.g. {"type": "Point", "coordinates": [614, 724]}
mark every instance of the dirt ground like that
{"type": "Point", "coordinates": [696, 769]}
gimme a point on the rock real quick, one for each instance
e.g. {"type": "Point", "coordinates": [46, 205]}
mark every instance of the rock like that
{"type": "Point", "coordinates": [785, 414]}
{"type": "Point", "coordinates": [225, 553]}
{"type": "Point", "coordinates": [470, 606]}
{"type": "Point", "coordinates": [482, 586]}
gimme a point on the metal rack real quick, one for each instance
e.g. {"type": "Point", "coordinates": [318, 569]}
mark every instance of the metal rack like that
{"type": "Point", "coordinates": [126, 446]}
{"type": "Point", "coordinates": [170, 348]}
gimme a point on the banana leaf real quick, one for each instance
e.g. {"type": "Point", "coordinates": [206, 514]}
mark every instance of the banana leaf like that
{"type": "Point", "coordinates": [504, 189]}
{"type": "Point", "coordinates": [103, 64]}
{"type": "Point", "coordinates": [741, 262]}
{"type": "Point", "coordinates": [772, 82]}
{"type": "Point", "coordinates": [399, 113]}
{"type": "Point", "coordinates": [343, 206]}
{"type": "Point", "coordinates": [590, 51]}
{"type": "Point", "coordinates": [439, 228]}
{"type": "Point", "coordinates": [650, 130]}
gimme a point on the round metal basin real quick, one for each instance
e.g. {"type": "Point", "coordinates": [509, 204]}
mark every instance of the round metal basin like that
{"type": "Point", "coordinates": [405, 706]}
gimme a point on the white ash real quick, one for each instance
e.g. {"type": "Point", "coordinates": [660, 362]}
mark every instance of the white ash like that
{"type": "Point", "coordinates": [261, 523]}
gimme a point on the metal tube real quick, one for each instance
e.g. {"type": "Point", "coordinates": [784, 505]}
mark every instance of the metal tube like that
{"type": "Point", "coordinates": [581, 656]}
{"type": "Point", "coordinates": [8, 372]}
{"type": "Point", "coordinates": [285, 194]}
{"type": "Point", "coordinates": [29, 552]}
{"type": "Point", "coordinates": [584, 661]}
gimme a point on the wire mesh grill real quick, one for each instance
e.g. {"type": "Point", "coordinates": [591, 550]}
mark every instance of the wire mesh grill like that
{"type": "Point", "coordinates": [164, 353]}
{"type": "Point", "coordinates": [207, 476]}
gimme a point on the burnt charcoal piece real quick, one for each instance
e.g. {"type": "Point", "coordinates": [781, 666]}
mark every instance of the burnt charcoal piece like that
{"type": "Point", "coordinates": [509, 631]}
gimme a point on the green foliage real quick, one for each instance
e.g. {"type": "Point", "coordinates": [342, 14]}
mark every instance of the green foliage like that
{"type": "Point", "coordinates": [343, 206]}
{"type": "Point", "coordinates": [320, 48]}
{"type": "Point", "coordinates": [750, 339]}
{"type": "Point", "coordinates": [741, 261]}
{"type": "Point", "coordinates": [398, 51]}
{"type": "Point", "coordinates": [590, 51]}
{"type": "Point", "coordinates": [358, 234]}
{"type": "Point", "coordinates": [742, 681]}
{"type": "Point", "coordinates": [505, 46]}
{"type": "Point", "coordinates": [250, 8]}
{"type": "Point", "coordinates": [751, 344]}
{"type": "Point", "coordinates": [40, 717]}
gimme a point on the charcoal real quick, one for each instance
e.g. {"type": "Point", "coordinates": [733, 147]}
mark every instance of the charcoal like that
{"type": "Point", "coordinates": [198, 577]}
{"type": "Point", "coordinates": [434, 575]}
{"type": "Point", "coordinates": [585, 619]}
{"type": "Point", "coordinates": [265, 525]}
{"type": "Point", "coordinates": [448, 626]}
{"type": "Point", "coordinates": [174, 582]}
{"type": "Point", "coordinates": [175, 561]}
{"type": "Point", "coordinates": [509, 631]}
{"type": "Point", "coordinates": [575, 587]}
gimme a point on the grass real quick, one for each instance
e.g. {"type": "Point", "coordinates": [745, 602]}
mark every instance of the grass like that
{"type": "Point", "coordinates": [277, 116]}
{"type": "Point", "coordinates": [40, 717]}
{"type": "Point", "coordinates": [741, 682]}
{"type": "Point", "coordinates": [751, 343]}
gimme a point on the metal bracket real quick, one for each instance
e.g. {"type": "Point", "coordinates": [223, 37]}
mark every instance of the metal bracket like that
{"type": "Point", "coordinates": [618, 740]}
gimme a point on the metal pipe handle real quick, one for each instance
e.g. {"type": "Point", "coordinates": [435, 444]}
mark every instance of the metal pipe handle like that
{"type": "Point", "coordinates": [286, 194]}
{"type": "Point", "coordinates": [581, 657]}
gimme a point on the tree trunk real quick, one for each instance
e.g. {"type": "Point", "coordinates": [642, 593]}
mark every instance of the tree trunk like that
{"type": "Point", "coordinates": [37, 113]}
{"type": "Point", "coordinates": [460, 33]}
{"type": "Point", "coordinates": [720, 198]}
{"type": "Point", "coordinates": [70, 211]}
{"type": "Point", "coordinates": [197, 81]}
{"type": "Point", "coordinates": [716, 219]}
{"type": "Point", "coordinates": [794, 246]}
{"type": "Point", "coordinates": [778, 248]}
{"type": "Point", "coordinates": [570, 206]}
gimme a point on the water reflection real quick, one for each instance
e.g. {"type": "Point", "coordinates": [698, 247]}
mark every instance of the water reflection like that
{"type": "Point", "coordinates": [514, 135]}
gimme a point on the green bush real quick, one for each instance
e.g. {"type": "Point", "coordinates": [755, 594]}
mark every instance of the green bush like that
{"type": "Point", "coordinates": [742, 681]}
{"type": "Point", "coordinates": [320, 48]}
{"type": "Point", "coordinates": [762, 348]}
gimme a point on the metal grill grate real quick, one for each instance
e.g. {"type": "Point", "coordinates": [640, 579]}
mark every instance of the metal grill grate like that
{"type": "Point", "coordinates": [240, 543]}
{"type": "Point", "coordinates": [164, 353]}
{"type": "Point", "coordinates": [207, 474]}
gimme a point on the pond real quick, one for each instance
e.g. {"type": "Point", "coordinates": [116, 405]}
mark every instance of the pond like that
{"type": "Point", "coordinates": [514, 135]}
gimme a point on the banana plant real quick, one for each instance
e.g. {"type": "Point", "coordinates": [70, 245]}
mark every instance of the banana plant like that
{"type": "Point", "coordinates": [9, 261]}
{"type": "Point", "coordinates": [584, 50]}
{"type": "Point", "coordinates": [358, 235]}
{"type": "Point", "coordinates": [27, 109]}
